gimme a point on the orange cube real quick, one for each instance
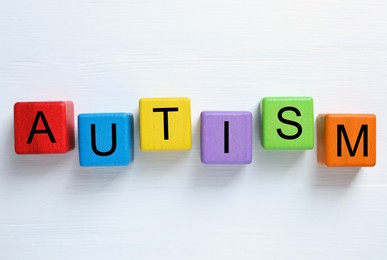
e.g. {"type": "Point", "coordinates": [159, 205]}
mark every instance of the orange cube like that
{"type": "Point", "coordinates": [346, 140]}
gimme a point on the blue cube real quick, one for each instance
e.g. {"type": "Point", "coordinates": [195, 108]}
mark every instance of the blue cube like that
{"type": "Point", "coordinates": [105, 139]}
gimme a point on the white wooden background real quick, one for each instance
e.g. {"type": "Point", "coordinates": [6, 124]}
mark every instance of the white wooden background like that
{"type": "Point", "coordinates": [225, 55]}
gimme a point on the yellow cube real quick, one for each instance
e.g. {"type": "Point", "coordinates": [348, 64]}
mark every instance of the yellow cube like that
{"type": "Point", "coordinates": [165, 124]}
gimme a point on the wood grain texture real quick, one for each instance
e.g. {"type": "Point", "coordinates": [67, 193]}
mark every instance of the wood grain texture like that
{"type": "Point", "coordinates": [106, 55]}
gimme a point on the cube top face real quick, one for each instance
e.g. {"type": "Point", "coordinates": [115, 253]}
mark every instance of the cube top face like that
{"type": "Point", "coordinates": [287, 123]}
{"type": "Point", "coordinates": [105, 139]}
{"type": "Point", "coordinates": [43, 127]}
{"type": "Point", "coordinates": [165, 124]}
{"type": "Point", "coordinates": [226, 137]}
{"type": "Point", "coordinates": [347, 140]}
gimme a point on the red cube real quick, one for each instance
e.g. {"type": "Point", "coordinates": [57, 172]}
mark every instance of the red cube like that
{"type": "Point", "coordinates": [44, 127]}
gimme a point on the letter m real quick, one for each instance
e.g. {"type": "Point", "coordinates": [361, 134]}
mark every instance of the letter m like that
{"type": "Point", "coordinates": [352, 151]}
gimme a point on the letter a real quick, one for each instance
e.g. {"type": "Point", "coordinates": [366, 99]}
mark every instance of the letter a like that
{"type": "Point", "coordinates": [47, 129]}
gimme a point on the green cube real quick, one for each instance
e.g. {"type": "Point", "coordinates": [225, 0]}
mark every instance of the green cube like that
{"type": "Point", "coordinates": [287, 123]}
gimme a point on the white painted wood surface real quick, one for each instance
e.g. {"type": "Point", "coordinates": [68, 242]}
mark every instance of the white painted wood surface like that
{"type": "Point", "coordinates": [223, 54]}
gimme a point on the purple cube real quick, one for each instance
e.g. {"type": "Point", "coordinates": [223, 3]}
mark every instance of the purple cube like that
{"type": "Point", "coordinates": [226, 137]}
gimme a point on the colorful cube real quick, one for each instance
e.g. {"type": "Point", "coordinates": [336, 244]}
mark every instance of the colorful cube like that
{"type": "Point", "coordinates": [165, 124]}
{"type": "Point", "coordinates": [105, 139]}
{"type": "Point", "coordinates": [346, 140]}
{"type": "Point", "coordinates": [43, 127]}
{"type": "Point", "coordinates": [287, 123]}
{"type": "Point", "coordinates": [226, 137]}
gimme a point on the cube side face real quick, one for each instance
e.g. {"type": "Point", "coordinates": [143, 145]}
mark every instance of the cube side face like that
{"type": "Point", "coordinates": [350, 140]}
{"type": "Point", "coordinates": [105, 139]}
{"type": "Point", "coordinates": [226, 137]}
{"type": "Point", "coordinates": [70, 125]}
{"type": "Point", "coordinates": [321, 136]}
{"type": "Point", "coordinates": [287, 123]}
{"type": "Point", "coordinates": [43, 127]}
{"type": "Point", "coordinates": [165, 124]}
